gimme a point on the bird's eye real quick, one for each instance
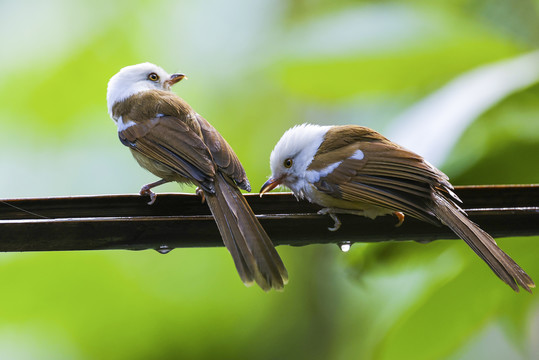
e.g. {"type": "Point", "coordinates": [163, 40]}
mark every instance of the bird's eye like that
{"type": "Point", "coordinates": [288, 163]}
{"type": "Point", "coordinates": [153, 77]}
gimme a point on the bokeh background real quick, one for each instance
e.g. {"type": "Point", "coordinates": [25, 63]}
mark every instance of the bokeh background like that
{"type": "Point", "coordinates": [458, 81]}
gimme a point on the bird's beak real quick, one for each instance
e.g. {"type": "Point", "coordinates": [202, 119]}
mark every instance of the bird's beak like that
{"type": "Point", "coordinates": [269, 185]}
{"type": "Point", "coordinates": [175, 78]}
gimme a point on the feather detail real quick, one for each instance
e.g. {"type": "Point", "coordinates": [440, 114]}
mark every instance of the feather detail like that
{"type": "Point", "coordinates": [223, 155]}
{"type": "Point", "coordinates": [482, 244]}
{"type": "Point", "coordinates": [253, 252]}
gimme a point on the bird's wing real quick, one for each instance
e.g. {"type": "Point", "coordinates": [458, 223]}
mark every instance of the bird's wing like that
{"type": "Point", "coordinates": [171, 142]}
{"type": "Point", "coordinates": [371, 169]}
{"type": "Point", "coordinates": [224, 157]}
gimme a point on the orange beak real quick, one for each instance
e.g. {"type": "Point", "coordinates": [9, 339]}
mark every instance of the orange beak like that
{"type": "Point", "coordinates": [175, 78]}
{"type": "Point", "coordinates": [269, 185]}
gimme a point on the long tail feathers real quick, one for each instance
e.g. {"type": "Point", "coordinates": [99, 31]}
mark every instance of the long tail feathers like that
{"type": "Point", "coordinates": [482, 244]}
{"type": "Point", "coordinates": [253, 252]}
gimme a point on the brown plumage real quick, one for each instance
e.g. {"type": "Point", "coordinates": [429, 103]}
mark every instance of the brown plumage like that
{"type": "Point", "coordinates": [168, 138]}
{"type": "Point", "coordinates": [355, 169]}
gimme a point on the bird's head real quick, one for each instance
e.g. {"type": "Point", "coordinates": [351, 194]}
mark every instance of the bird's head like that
{"type": "Point", "coordinates": [136, 78]}
{"type": "Point", "coordinates": [292, 155]}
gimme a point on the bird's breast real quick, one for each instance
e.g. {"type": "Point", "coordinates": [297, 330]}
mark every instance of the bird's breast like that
{"type": "Point", "coordinates": [157, 168]}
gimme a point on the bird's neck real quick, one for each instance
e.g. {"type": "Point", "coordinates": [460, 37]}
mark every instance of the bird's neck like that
{"type": "Point", "coordinates": [151, 104]}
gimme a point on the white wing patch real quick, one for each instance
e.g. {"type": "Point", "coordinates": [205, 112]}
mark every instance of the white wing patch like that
{"type": "Point", "coordinates": [122, 126]}
{"type": "Point", "coordinates": [358, 155]}
{"type": "Point", "coordinates": [313, 176]}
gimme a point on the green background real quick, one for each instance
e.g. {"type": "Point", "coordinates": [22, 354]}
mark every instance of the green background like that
{"type": "Point", "coordinates": [255, 69]}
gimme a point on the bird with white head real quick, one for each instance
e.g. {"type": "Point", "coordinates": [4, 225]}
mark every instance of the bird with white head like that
{"type": "Point", "coordinates": [168, 138]}
{"type": "Point", "coordinates": [354, 170]}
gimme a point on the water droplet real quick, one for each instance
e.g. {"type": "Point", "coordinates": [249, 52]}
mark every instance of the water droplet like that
{"type": "Point", "coordinates": [164, 249]}
{"type": "Point", "coordinates": [345, 246]}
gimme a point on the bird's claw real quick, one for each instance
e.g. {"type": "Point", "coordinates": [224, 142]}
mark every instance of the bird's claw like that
{"type": "Point", "coordinates": [146, 190]}
{"type": "Point", "coordinates": [327, 211]}
{"type": "Point", "coordinates": [337, 224]}
{"type": "Point", "coordinates": [200, 193]}
{"type": "Point", "coordinates": [400, 218]}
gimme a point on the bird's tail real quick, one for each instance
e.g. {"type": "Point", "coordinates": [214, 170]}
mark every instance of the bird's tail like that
{"type": "Point", "coordinates": [482, 244]}
{"type": "Point", "coordinates": [253, 252]}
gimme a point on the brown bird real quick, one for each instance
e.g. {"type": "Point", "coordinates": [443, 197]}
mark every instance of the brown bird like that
{"type": "Point", "coordinates": [168, 138]}
{"type": "Point", "coordinates": [355, 170]}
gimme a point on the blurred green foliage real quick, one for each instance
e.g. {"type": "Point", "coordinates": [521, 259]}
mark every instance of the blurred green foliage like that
{"type": "Point", "coordinates": [255, 69]}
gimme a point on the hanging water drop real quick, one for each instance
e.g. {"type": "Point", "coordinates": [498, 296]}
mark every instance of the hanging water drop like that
{"type": "Point", "coordinates": [164, 249]}
{"type": "Point", "coordinates": [345, 246]}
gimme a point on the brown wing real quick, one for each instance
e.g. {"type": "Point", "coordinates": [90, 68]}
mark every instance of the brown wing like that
{"type": "Point", "coordinates": [171, 142]}
{"type": "Point", "coordinates": [387, 175]}
{"type": "Point", "coordinates": [224, 157]}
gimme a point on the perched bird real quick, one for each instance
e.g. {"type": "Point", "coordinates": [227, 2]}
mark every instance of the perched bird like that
{"type": "Point", "coordinates": [168, 138]}
{"type": "Point", "coordinates": [355, 170]}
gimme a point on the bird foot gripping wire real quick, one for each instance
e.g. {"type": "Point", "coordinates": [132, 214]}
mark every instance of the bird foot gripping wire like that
{"type": "Point", "coordinates": [331, 213]}
{"type": "Point", "coordinates": [400, 218]}
{"type": "Point", "coordinates": [200, 193]}
{"type": "Point", "coordinates": [146, 190]}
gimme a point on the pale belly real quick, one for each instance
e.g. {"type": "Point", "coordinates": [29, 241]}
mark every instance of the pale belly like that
{"type": "Point", "coordinates": [157, 168]}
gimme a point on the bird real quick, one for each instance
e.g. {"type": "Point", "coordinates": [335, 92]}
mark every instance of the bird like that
{"type": "Point", "coordinates": [352, 169]}
{"type": "Point", "coordinates": [172, 141]}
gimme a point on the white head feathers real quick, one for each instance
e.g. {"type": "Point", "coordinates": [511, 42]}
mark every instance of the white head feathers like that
{"type": "Point", "coordinates": [133, 79]}
{"type": "Point", "coordinates": [298, 144]}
